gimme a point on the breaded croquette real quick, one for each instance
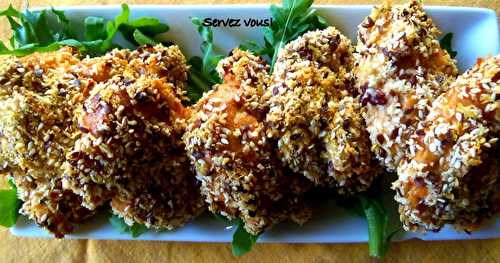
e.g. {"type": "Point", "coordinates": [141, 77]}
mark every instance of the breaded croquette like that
{"type": "Point", "coordinates": [58, 134]}
{"type": "Point", "coordinates": [400, 70]}
{"type": "Point", "coordinates": [131, 143]}
{"type": "Point", "coordinates": [226, 142]}
{"type": "Point", "coordinates": [454, 174]}
{"type": "Point", "coordinates": [38, 95]}
{"type": "Point", "coordinates": [315, 115]}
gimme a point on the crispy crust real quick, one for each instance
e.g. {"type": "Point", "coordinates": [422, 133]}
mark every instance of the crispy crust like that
{"type": "Point", "coordinates": [226, 142]}
{"type": "Point", "coordinates": [314, 113]}
{"type": "Point", "coordinates": [131, 149]}
{"type": "Point", "coordinates": [42, 99]}
{"type": "Point", "coordinates": [167, 63]}
{"type": "Point", "coordinates": [37, 100]}
{"type": "Point", "coordinates": [48, 204]}
{"type": "Point", "coordinates": [401, 69]}
{"type": "Point", "coordinates": [131, 144]}
{"type": "Point", "coordinates": [453, 176]}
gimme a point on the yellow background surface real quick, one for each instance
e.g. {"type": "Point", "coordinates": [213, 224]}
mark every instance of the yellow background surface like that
{"type": "Point", "coordinates": [16, 249]}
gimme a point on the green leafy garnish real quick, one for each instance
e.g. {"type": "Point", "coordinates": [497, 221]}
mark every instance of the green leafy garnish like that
{"type": "Point", "coordinates": [242, 240]}
{"type": "Point", "coordinates": [379, 235]}
{"type": "Point", "coordinates": [203, 72]}
{"type": "Point", "coordinates": [119, 224]}
{"type": "Point", "coordinates": [141, 31]}
{"type": "Point", "coordinates": [31, 31]}
{"type": "Point", "coordinates": [292, 19]}
{"type": "Point", "coordinates": [221, 218]}
{"type": "Point", "coordinates": [95, 28]}
{"type": "Point", "coordinates": [49, 30]}
{"type": "Point", "coordinates": [445, 43]}
{"type": "Point", "coordinates": [9, 206]}
{"type": "Point", "coordinates": [369, 205]}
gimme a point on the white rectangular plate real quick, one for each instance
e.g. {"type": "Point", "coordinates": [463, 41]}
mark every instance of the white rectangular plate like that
{"type": "Point", "coordinates": [476, 35]}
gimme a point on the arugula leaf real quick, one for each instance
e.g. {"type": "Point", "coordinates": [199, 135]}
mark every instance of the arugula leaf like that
{"type": "Point", "coordinates": [242, 240]}
{"type": "Point", "coordinates": [221, 218]}
{"type": "Point", "coordinates": [48, 30]}
{"type": "Point", "coordinates": [60, 15]}
{"type": "Point", "coordinates": [379, 236]}
{"type": "Point", "coordinates": [445, 43]}
{"type": "Point", "coordinates": [142, 39]}
{"type": "Point", "coordinates": [137, 230]}
{"type": "Point", "coordinates": [203, 73]}
{"type": "Point", "coordinates": [119, 224]}
{"type": "Point", "coordinates": [209, 60]}
{"type": "Point", "coordinates": [2, 47]}
{"type": "Point", "coordinates": [149, 27]}
{"type": "Point", "coordinates": [141, 31]}
{"type": "Point", "coordinates": [113, 26]}
{"type": "Point", "coordinates": [9, 205]}
{"type": "Point", "coordinates": [197, 82]}
{"type": "Point", "coordinates": [292, 19]}
{"type": "Point", "coordinates": [94, 28]}
{"type": "Point", "coordinates": [10, 12]}
{"type": "Point", "coordinates": [369, 205]}
{"type": "Point", "coordinates": [37, 22]}
{"type": "Point", "coordinates": [256, 49]}
{"type": "Point", "coordinates": [30, 28]}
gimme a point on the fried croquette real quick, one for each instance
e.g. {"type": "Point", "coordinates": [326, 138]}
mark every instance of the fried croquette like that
{"type": "Point", "coordinates": [454, 174]}
{"type": "Point", "coordinates": [131, 143]}
{"type": "Point", "coordinates": [401, 68]}
{"type": "Point", "coordinates": [234, 160]}
{"type": "Point", "coordinates": [315, 114]}
{"type": "Point", "coordinates": [37, 98]}
{"type": "Point", "coordinates": [57, 134]}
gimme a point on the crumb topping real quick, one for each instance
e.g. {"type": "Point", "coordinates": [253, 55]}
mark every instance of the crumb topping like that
{"type": "Point", "coordinates": [234, 160]}
{"type": "Point", "coordinates": [53, 103]}
{"type": "Point", "coordinates": [37, 128]}
{"type": "Point", "coordinates": [315, 113]}
{"type": "Point", "coordinates": [401, 69]}
{"type": "Point", "coordinates": [453, 176]}
{"type": "Point", "coordinates": [131, 145]}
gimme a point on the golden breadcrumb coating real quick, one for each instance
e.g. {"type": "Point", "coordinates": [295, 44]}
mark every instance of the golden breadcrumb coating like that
{"type": "Point", "coordinates": [42, 107]}
{"type": "Point", "coordinates": [454, 174]}
{"type": "Point", "coordinates": [315, 115]}
{"type": "Point", "coordinates": [131, 145]}
{"type": "Point", "coordinates": [226, 142]}
{"type": "Point", "coordinates": [157, 61]}
{"type": "Point", "coordinates": [37, 97]}
{"type": "Point", "coordinates": [401, 69]}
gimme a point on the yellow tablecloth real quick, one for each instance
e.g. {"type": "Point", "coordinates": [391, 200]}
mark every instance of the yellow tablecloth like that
{"type": "Point", "coordinates": [15, 249]}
